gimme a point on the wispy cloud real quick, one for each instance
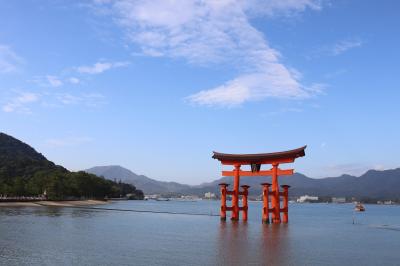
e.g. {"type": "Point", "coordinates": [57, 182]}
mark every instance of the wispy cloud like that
{"type": "Point", "coordinates": [335, 49]}
{"type": "Point", "coordinates": [74, 80]}
{"type": "Point", "coordinates": [48, 81]}
{"type": "Point", "coordinates": [67, 98]}
{"type": "Point", "coordinates": [9, 60]}
{"type": "Point", "coordinates": [215, 32]}
{"type": "Point", "coordinates": [21, 102]}
{"type": "Point", "coordinates": [86, 99]}
{"type": "Point", "coordinates": [67, 141]}
{"type": "Point", "coordinates": [345, 45]}
{"type": "Point", "coordinates": [64, 78]}
{"type": "Point", "coordinates": [54, 81]}
{"type": "Point", "coordinates": [100, 67]}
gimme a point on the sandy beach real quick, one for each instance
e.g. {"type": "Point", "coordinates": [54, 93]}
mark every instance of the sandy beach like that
{"type": "Point", "coordinates": [67, 203]}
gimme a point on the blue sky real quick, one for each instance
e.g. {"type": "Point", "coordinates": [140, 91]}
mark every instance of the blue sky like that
{"type": "Point", "coordinates": [156, 86]}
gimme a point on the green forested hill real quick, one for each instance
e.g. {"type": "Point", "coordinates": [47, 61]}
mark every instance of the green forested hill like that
{"type": "Point", "coordinates": [19, 159]}
{"type": "Point", "coordinates": [25, 172]}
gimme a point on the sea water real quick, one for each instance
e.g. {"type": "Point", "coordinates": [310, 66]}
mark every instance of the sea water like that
{"type": "Point", "coordinates": [317, 234]}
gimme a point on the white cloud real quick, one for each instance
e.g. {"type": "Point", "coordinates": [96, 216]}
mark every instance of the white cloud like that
{"type": "Point", "coordinates": [20, 103]}
{"type": "Point", "coordinates": [74, 80]}
{"type": "Point", "coordinates": [66, 98]}
{"type": "Point", "coordinates": [86, 99]}
{"type": "Point", "coordinates": [100, 67]}
{"type": "Point", "coordinates": [9, 60]}
{"type": "Point", "coordinates": [345, 45]}
{"type": "Point", "coordinates": [213, 32]}
{"type": "Point", "coordinates": [335, 49]}
{"type": "Point", "coordinates": [94, 99]}
{"type": "Point", "coordinates": [54, 81]}
{"type": "Point", "coordinates": [275, 82]}
{"type": "Point", "coordinates": [67, 142]}
{"type": "Point", "coordinates": [48, 81]}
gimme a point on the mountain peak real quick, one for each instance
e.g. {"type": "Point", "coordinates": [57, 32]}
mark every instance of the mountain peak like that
{"type": "Point", "coordinates": [106, 167]}
{"type": "Point", "coordinates": [15, 155]}
{"type": "Point", "coordinates": [148, 185]}
{"type": "Point", "coordinates": [10, 146]}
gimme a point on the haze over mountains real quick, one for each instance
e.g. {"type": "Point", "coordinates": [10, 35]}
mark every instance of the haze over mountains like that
{"type": "Point", "coordinates": [150, 186]}
{"type": "Point", "coordinates": [373, 184]}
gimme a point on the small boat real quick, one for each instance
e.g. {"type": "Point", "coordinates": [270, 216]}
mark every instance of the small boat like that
{"type": "Point", "coordinates": [162, 199]}
{"type": "Point", "coordinates": [359, 207]}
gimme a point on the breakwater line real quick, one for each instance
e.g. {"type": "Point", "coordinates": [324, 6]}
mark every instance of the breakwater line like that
{"type": "Point", "coordinates": [387, 227]}
{"type": "Point", "coordinates": [133, 210]}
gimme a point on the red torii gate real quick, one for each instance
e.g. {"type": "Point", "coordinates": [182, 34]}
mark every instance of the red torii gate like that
{"type": "Point", "coordinates": [255, 161]}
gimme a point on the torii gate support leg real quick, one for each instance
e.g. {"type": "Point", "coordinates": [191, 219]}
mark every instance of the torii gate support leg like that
{"type": "Point", "coordinates": [285, 209]}
{"type": "Point", "coordinates": [276, 215]}
{"type": "Point", "coordinates": [235, 194]}
{"type": "Point", "coordinates": [265, 210]}
{"type": "Point", "coordinates": [223, 187]}
{"type": "Point", "coordinates": [245, 207]}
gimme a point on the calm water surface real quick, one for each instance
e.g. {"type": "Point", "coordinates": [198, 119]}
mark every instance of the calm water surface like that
{"type": "Point", "coordinates": [317, 234]}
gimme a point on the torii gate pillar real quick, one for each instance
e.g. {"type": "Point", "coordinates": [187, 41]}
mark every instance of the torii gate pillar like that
{"type": "Point", "coordinates": [235, 194]}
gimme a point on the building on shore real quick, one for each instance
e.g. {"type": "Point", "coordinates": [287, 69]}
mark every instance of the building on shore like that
{"type": "Point", "coordinates": [210, 195]}
{"type": "Point", "coordinates": [190, 197]}
{"type": "Point", "coordinates": [307, 198]}
{"type": "Point", "coordinates": [338, 200]}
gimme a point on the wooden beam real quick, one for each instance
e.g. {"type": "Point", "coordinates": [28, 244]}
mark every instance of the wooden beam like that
{"type": "Point", "coordinates": [285, 172]}
{"type": "Point", "coordinates": [260, 173]}
{"type": "Point", "coordinates": [244, 162]}
{"type": "Point", "coordinates": [247, 173]}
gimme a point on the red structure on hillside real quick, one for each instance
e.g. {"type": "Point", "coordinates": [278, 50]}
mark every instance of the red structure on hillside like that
{"type": "Point", "coordinates": [269, 190]}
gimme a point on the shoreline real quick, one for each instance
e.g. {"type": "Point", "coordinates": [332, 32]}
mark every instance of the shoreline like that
{"type": "Point", "coordinates": [47, 203]}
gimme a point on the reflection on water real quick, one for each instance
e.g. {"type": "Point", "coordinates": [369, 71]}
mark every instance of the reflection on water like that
{"type": "Point", "coordinates": [232, 243]}
{"type": "Point", "coordinates": [274, 245]}
{"type": "Point", "coordinates": [238, 246]}
{"type": "Point", "coordinates": [316, 235]}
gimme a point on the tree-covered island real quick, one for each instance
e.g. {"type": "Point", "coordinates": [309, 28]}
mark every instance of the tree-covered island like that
{"type": "Point", "coordinates": [25, 172]}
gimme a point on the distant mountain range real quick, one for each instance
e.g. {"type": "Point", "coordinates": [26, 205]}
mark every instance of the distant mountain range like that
{"type": "Point", "coordinates": [25, 171]}
{"type": "Point", "coordinates": [146, 184]}
{"type": "Point", "coordinates": [373, 184]}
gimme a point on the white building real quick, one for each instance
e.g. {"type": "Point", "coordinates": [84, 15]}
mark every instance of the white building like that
{"type": "Point", "coordinates": [209, 195]}
{"type": "Point", "coordinates": [307, 198]}
{"type": "Point", "coordinates": [339, 200]}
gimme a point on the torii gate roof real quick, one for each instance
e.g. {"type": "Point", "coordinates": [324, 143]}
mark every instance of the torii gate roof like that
{"type": "Point", "coordinates": [260, 158]}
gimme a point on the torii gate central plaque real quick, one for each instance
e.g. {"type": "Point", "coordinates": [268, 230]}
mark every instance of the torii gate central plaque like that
{"type": "Point", "coordinates": [255, 161]}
